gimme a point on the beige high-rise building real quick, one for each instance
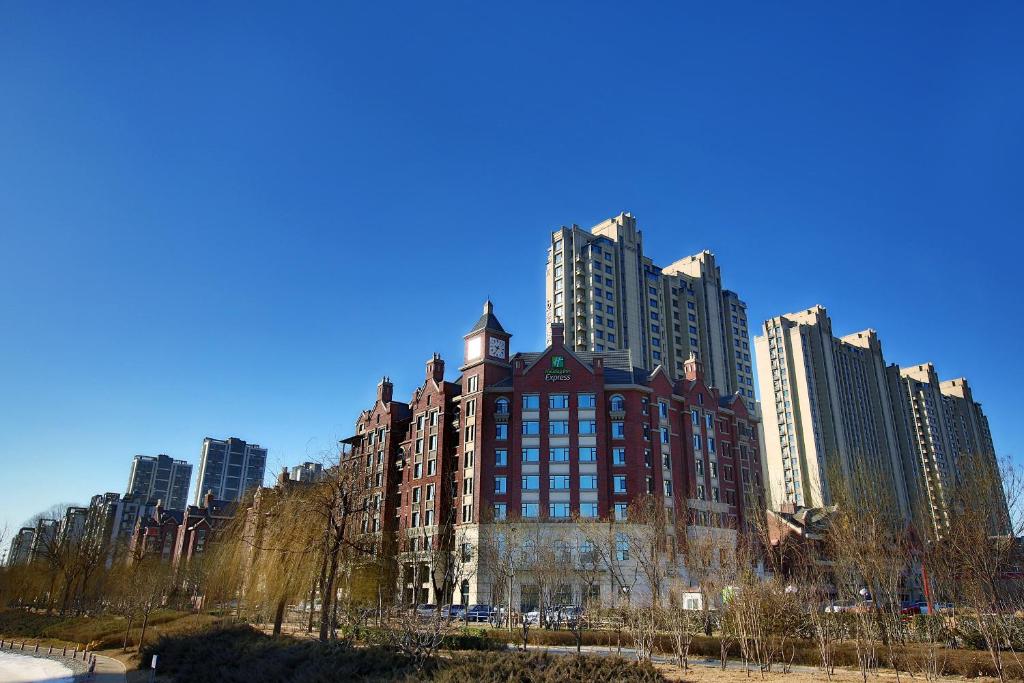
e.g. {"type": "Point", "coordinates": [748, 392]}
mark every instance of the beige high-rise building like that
{"type": "Point", "coordinates": [827, 415]}
{"type": "Point", "coordinates": [611, 296]}
{"type": "Point", "coordinates": [942, 430]}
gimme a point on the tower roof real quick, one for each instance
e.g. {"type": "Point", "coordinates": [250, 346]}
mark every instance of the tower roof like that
{"type": "Point", "coordinates": [488, 321]}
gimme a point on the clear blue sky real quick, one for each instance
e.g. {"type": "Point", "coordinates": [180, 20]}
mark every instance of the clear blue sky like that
{"type": "Point", "coordinates": [229, 219]}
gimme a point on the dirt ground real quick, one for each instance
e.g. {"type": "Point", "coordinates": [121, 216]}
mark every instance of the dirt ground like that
{"type": "Point", "coordinates": [734, 674]}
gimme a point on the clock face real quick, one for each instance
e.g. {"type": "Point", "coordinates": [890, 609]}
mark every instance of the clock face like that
{"type": "Point", "coordinates": [474, 347]}
{"type": "Point", "coordinates": [496, 348]}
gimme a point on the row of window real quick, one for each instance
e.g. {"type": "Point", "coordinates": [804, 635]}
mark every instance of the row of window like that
{"type": "Point", "coordinates": [560, 511]}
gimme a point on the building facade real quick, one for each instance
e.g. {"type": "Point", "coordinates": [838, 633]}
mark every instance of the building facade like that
{"type": "Point", "coordinates": [229, 468]}
{"type": "Point", "coordinates": [828, 427]}
{"type": "Point", "coordinates": [552, 441]}
{"type": "Point", "coordinates": [21, 546]}
{"type": "Point", "coordinates": [611, 296]}
{"type": "Point", "coordinates": [307, 472]}
{"type": "Point", "coordinates": [160, 478]}
{"type": "Point", "coordinates": [943, 436]}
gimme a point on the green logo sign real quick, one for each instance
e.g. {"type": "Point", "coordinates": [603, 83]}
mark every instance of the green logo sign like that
{"type": "Point", "coordinates": [557, 372]}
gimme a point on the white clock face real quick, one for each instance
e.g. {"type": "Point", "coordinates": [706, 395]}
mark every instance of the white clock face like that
{"type": "Point", "coordinates": [474, 347]}
{"type": "Point", "coordinates": [496, 348]}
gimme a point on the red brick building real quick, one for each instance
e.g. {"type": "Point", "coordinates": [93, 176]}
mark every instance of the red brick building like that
{"type": "Point", "coordinates": [554, 437]}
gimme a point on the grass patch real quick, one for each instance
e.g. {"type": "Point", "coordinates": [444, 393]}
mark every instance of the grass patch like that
{"type": "Point", "coordinates": [244, 655]}
{"type": "Point", "coordinates": [99, 632]}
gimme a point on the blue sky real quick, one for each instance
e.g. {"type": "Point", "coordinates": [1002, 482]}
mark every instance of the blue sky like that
{"type": "Point", "coordinates": [231, 219]}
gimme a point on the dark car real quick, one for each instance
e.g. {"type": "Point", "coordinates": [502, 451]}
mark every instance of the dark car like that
{"type": "Point", "coordinates": [481, 613]}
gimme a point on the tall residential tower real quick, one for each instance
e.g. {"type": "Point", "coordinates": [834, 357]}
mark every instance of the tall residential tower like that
{"type": "Point", "coordinates": [827, 414]}
{"type": "Point", "coordinates": [610, 297]}
{"type": "Point", "coordinates": [229, 468]}
{"type": "Point", "coordinates": [160, 478]}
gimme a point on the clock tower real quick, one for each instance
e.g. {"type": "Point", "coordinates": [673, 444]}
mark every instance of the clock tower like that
{"type": "Point", "coordinates": [487, 341]}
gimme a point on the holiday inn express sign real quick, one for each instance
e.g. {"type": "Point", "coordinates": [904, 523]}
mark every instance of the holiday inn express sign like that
{"type": "Point", "coordinates": [557, 372]}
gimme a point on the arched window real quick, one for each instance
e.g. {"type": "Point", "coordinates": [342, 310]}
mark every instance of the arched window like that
{"type": "Point", "coordinates": [501, 406]}
{"type": "Point", "coordinates": [618, 404]}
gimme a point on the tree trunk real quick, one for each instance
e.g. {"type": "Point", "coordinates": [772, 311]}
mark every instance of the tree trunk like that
{"type": "Point", "coordinates": [279, 617]}
{"type": "Point", "coordinates": [142, 636]}
{"type": "Point", "coordinates": [327, 598]}
{"type": "Point", "coordinates": [127, 631]}
{"type": "Point", "coordinates": [312, 601]}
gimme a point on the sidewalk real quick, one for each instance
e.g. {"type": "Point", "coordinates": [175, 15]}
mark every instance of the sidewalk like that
{"type": "Point", "coordinates": [109, 670]}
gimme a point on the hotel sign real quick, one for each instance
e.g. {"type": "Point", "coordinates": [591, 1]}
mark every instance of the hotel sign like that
{"type": "Point", "coordinates": [557, 372]}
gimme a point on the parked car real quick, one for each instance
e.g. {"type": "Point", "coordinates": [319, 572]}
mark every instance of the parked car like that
{"type": "Point", "coordinates": [568, 614]}
{"type": "Point", "coordinates": [426, 610]}
{"type": "Point", "coordinates": [532, 617]}
{"type": "Point", "coordinates": [481, 613]}
{"type": "Point", "coordinates": [453, 611]}
{"type": "Point", "coordinates": [910, 608]}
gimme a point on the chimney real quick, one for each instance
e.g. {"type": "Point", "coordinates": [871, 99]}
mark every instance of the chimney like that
{"type": "Point", "coordinates": [558, 334]}
{"type": "Point", "coordinates": [435, 368]}
{"type": "Point", "coordinates": [693, 370]}
{"type": "Point", "coordinates": [208, 499]}
{"type": "Point", "coordinates": [385, 389]}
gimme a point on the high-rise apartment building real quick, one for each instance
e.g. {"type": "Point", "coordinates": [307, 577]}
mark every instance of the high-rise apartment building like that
{"type": "Point", "coordinates": [827, 414]}
{"type": "Point", "coordinates": [943, 433]}
{"type": "Point", "coordinates": [229, 468]}
{"type": "Point", "coordinates": [160, 478]}
{"type": "Point", "coordinates": [611, 296]}
{"type": "Point", "coordinates": [21, 546]}
{"type": "Point", "coordinates": [307, 472]}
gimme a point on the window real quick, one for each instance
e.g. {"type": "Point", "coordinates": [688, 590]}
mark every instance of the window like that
{"type": "Point", "coordinates": [696, 442]}
{"type": "Point", "coordinates": [664, 435]}
{"type": "Point", "coordinates": [620, 483]}
{"type": "Point", "coordinates": [618, 456]}
{"type": "Point", "coordinates": [474, 383]}
{"type": "Point", "coordinates": [714, 494]}
{"type": "Point", "coordinates": [668, 489]}
{"type": "Point", "coordinates": [415, 522]}
{"type": "Point", "coordinates": [695, 418]}
{"type": "Point", "coordinates": [419, 446]}
{"type": "Point", "coordinates": [428, 518]}
{"type": "Point", "coordinates": [699, 466]}
{"type": "Point", "coordinates": [501, 406]}
{"type": "Point", "coordinates": [714, 470]}
{"type": "Point", "coordinates": [531, 402]}
{"type": "Point", "coordinates": [558, 427]}
{"type": "Point", "coordinates": [558, 454]}
{"type": "Point", "coordinates": [432, 442]}
{"type": "Point", "coordinates": [501, 431]}
{"type": "Point", "coordinates": [588, 454]}
{"type": "Point", "coordinates": [621, 510]}
{"type": "Point", "coordinates": [621, 547]}
{"type": "Point", "coordinates": [500, 511]}
{"type": "Point", "coordinates": [500, 485]}
{"type": "Point", "coordinates": [530, 510]}
{"type": "Point", "coordinates": [700, 491]}
{"type": "Point", "coordinates": [617, 403]}
{"type": "Point", "coordinates": [470, 433]}
{"type": "Point", "coordinates": [467, 513]}
{"type": "Point", "coordinates": [558, 482]}
{"type": "Point", "coordinates": [531, 482]}
{"type": "Point", "coordinates": [558, 401]}
{"type": "Point", "coordinates": [470, 407]}
{"type": "Point", "coordinates": [430, 492]}
{"type": "Point", "coordinates": [588, 510]}
{"type": "Point", "coordinates": [709, 421]}
{"type": "Point", "coordinates": [417, 470]}
{"type": "Point", "coordinates": [416, 494]}
{"type": "Point", "coordinates": [618, 430]}
{"type": "Point", "coordinates": [500, 457]}
{"type": "Point", "coordinates": [431, 467]}
{"type": "Point", "coordinates": [588, 482]}
{"type": "Point", "coordinates": [558, 510]}
{"type": "Point", "coordinates": [531, 427]}
{"type": "Point", "coordinates": [586, 400]}
{"type": "Point", "coordinates": [467, 552]}
{"type": "Point", "coordinates": [467, 486]}
{"type": "Point", "coordinates": [663, 410]}
{"type": "Point", "coordinates": [711, 444]}
{"type": "Point", "coordinates": [531, 455]}
{"type": "Point", "coordinates": [588, 426]}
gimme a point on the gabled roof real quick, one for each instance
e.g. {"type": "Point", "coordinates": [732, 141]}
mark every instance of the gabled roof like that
{"type": "Point", "coordinates": [487, 321]}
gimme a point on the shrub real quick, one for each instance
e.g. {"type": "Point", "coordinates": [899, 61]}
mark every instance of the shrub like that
{"type": "Point", "coordinates": [544, 668]}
